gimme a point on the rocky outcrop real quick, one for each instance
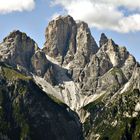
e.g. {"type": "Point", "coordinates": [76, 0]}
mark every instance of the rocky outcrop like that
{"type": "Point", "coordinates": [103, 40]}
{"type": "Point", "coordinates": [93, 70]}
{"type": "Point", "coordinates": [101, 84]}
{"type": "Point", "coordinates": [117, 112]}
{"type": "Point", "coordinates": [86, 45]}
{"type": "Point", "coordinates": [20, 51]}
{"type": "Point", "coordinates": [109, 56]}
{"type": "Point", "coordinates": [17, 49]}
{"type": "Point", "coordinates": [60, 38]}
{"type": "Point", "coordinates": [40, 64]}
{"type": "Point", "coordinates": [66, 40]}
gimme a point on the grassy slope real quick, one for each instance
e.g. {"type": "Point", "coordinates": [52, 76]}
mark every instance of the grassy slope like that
{"type": "Point", "coordinates": [112, 122]}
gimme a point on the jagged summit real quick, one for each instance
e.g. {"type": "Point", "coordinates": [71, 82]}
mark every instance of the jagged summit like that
{"type": "Point", "coordinates": [101, 84]}
{"type": "Point", "coordinates": [103, 39]}
{"type": "Point", "coordinates": [64, 38]}
{"type": "Point", "coordinates": [83, 24]}
{"type": "Point", "coordinates": [22, 52]}
{"type": "Point", "coordinates": [60, 35]}
{"type": "Point", "coordinates": [14, 33]}
{"type": "Point", "coordinates": [17, 34]}
{"type": "Point", "coordinates": [68, 40]}
{"type": "Point", "coordinates": [66, 17]}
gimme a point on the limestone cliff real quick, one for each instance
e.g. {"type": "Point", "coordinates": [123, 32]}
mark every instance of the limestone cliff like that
{"type": "Point", "coordinates": [100, 84]}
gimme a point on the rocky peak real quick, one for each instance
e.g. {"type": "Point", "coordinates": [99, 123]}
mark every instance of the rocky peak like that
{"type": "Point", "coordinates": [40, 63]}
{"type": "Point", "coordinates": [60, 37]}
{"type": "Point", "coordinates": [19, 50]}
{"type": "Point", "coordinates": [83, 26]}
{"type": "Point", "coordinates": [64, 38]}
{"type": "Point", "coordinates": [16, 37]}
{"type": "Point", "coordinates": [109, 46]}
{"type": "Point", "coordinates": [116, 53]}
{"type": "Point", "coordinates": [103, 40]}
{"type": "Point", "coordinates": [67, 19]}
{"type": "Point", "coordinates": [100, 84]}
{"type": "Point", "coordinates": [12, 35]}
{"type": "Point", "coordinates": [85, 41]}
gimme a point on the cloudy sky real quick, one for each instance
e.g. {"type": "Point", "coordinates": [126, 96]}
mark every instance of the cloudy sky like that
{"type": "Point", "coordinates": [118, 19]}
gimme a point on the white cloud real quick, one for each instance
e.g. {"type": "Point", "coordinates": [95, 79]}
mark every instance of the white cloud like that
{"type": "Point", "coordinates": [130, 23]}
{"type": "Point", "coordinates": [7, 6]}
{"type": "Point", "coordinates": [105, 14]}
{"type": "Point", "coordinates": [55, 15]}
{"type": "Point", "coordinates": [131, 4]}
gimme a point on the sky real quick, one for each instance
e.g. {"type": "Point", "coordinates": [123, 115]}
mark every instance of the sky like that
{"type": "Point", "coordinates": [118, 19]}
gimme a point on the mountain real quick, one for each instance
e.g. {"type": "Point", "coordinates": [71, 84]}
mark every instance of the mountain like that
{"type": "Point", "coordinates": [72, 88]}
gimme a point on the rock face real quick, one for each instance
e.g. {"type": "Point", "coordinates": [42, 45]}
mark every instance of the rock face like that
{"type": "Point", "coordinates": [17, 49]}
{"type": "Point", "coordinates": [60, 37]}
{"type": "Point", "coordinates": [20, 51]}
{"type": "Point", "coordinates": [39, 63]}
{"type": "Point", "coordinates": [65, 40]}
{"type": "Point", "coordinates": [100, 84]}
{"type": "Point", "coordinates": [103, 40]}
{"type": "Point", "coordinates": [115, 113]}
{"type": "Point", "coordinates": [92, 77]}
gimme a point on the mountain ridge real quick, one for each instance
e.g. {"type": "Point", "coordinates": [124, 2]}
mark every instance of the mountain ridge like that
{"type": "Point", "coordinates": [86, 77]}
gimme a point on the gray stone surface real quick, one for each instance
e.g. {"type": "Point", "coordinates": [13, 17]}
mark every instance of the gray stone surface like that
{"type": "Point", "coordinates": [93, 81]}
